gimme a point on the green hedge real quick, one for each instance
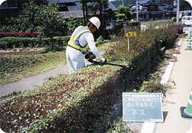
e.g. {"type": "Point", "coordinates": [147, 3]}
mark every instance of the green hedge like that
{"type": "Point", "coordinates": [57, 43]}
{"type": "Point", "coordinates": [18, 42]}
{"type": "Point", "coordinates": [80, 102]}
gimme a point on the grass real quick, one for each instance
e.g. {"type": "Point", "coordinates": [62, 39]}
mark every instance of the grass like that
{"type": "Point", "coordinates": [16, 67]}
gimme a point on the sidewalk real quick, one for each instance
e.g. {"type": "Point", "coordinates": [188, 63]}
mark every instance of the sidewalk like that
{"type": "Point", "coordinates": [178, 96]}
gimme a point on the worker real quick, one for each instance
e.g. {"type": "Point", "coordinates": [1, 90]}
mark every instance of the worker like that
{"type": "Point", "coordinates": [82, 36]}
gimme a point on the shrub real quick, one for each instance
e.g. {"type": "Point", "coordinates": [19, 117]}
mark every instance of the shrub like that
{"type": "Point", "coordinates": [57, 43]}
{"type": "Point", "coordinates": [38, 18]}
{"type": "Point", "coordinates": [77, 102]}
{"type": "Point", "coordinates": [134, 26]}
{"type": "Point", "coordinates": [18, 42]}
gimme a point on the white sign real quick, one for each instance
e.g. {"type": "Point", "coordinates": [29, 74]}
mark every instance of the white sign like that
{"type": "Point", "coordinates": [141, 107]}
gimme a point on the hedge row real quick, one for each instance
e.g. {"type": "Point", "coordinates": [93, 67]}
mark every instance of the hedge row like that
{"type": "Point", "coordinates": [80, 102]}
{"type": "Point", "coordinates": [57, 43]}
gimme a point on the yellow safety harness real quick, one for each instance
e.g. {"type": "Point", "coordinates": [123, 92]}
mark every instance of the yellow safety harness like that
{"type": "Point", "coordinates": [73, 40]}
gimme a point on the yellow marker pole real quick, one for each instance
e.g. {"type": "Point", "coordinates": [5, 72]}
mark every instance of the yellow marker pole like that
{"type": "Point", "coordinates": [130, 34]}
{"type": "Point", "coordinates": [127, 35]}
{"type": "Point", "coordinates": [128, 43]}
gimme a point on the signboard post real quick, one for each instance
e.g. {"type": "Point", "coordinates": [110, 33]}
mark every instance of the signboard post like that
{"type": "Point", "coordinates": [128, 43]}
{"type": "Point", "coordinates": [142, 107]}
{"type": "Point", "coordinates": [130, 34]}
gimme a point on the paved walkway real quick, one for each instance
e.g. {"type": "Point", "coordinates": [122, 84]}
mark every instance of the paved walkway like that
{"type": "Point", "coordinates": [31, 82]}
{"type": "Point", "coordinates": [178, 96]}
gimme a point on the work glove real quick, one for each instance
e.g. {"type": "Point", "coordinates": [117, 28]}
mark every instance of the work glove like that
{"type": "Point", "coordinates": [103, 60]}
{"type": "Point", "coordinates": [90, 56]}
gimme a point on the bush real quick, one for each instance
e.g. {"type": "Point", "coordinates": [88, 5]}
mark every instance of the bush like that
{"type": "Point", "coordinates": [134, 26]}
{"type": "Point", "coordinates": [81, 101]}
{"type": "Point", "coordinates": [57, 43]}
{"type": "Point", "coordinates": [38, 18]}
{"type": "Point", "coordinates": [18, 42]}
{"type": "Point", "coordinates": [168, 36]}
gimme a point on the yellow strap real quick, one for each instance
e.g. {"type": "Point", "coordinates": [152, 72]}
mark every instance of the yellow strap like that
{"type": "Point", "coordinates": [75, 46]}
{"type": "Point", "coordinates": [78, 27]}
{"type": "Point", "coordinates": [73, 39]}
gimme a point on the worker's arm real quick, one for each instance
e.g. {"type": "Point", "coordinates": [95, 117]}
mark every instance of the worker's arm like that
{"type": "Point", "coordinates": [93, 48]}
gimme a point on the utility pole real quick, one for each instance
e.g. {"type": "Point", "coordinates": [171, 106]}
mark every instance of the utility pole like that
{"type": "Point", "coordinates": [123, 2]}
{"type": "Point", "coordinates": [178, 12]}
{"type": "Point", "coordinates": [137, 8]}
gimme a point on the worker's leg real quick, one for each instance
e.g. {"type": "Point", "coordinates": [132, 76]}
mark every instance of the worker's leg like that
{"type": "Point", "coordinates": [78, 61]}
{"type": "Point", "coordinates": [75, 59]}
{"type": "Point", "coordinates": [69, 61]}
{"type": "Point", "coordinates": [70, 65]}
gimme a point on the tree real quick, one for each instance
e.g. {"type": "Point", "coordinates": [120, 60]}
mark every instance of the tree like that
{"type": "Point", "coordinates": [72, 23]}
{"type": "Point", "coordinates": [123, 13]}
{"type": "Point", "coordinates": [51, 23]}
{"type": "Point", "coordinates": [43, 19]}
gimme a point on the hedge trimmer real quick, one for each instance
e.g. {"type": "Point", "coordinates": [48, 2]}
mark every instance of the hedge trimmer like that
{"type": "Point", "coordinates": [89, 56]}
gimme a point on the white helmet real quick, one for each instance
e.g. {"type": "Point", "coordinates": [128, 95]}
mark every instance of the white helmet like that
{"type": "Point", "coordinates": [95, 21]}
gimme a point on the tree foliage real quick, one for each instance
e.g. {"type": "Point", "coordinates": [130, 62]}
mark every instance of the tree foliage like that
{"type": "Point", "coordinates": [43, 19]}
{"type": "Point", "coordinates": [72, 23]}
{"type": "Point", "coordinates": [123, 13]}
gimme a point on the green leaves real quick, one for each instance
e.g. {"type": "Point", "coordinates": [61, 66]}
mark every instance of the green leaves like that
{"type": "Point", "coordinates": [123, 14]}
{"type": "Point", "coordinates": [43, 19]}
{"type": "Point", "coordinates": [81, 101]}
{"type": "Point", "coordinates": [58, 94]}
{"type": "Point", "coordinates": [73, 23]}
